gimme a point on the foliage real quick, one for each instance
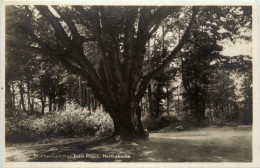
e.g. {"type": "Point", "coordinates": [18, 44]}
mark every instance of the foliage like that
{"type": "Point", "coordinates": [73, 122]}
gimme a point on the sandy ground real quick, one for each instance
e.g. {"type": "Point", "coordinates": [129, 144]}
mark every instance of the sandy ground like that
{"type": "Point", "coordinates": [211, 144]}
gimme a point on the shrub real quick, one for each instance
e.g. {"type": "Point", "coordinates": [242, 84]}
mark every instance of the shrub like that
{"type": "Point", "coordinates": [73, 122]}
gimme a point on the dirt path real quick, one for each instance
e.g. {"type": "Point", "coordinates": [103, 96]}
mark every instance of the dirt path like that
{"type": "Point", "coordinates": [213, 144]}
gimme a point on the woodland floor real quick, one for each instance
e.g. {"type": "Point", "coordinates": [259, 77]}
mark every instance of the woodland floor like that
{"type": "Point", "coordinates": [211, 144]}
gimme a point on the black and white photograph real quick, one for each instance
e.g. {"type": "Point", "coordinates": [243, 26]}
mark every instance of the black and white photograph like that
{"type": "Point", "coordinates": [138, 83]}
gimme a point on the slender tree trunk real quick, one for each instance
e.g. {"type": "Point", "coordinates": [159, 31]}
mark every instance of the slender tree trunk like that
{"type": "Point", "coordinates": [94, 105]}
{"type": "Point", "coordinates": [54, 98]}
{"type": "Point", "coordinates": [168, 102]}
{"type": "Point", "coordinates": [235, 99]}
{"type": "Point", "coordinates": [32, 107]}
{"type": "Point", "coordinates": [28, 94]}
{"type": "Point", "coordinates": [50, 95]}
{"type": "Point", "coordinates": [43, 100]}
{"type": "Point", "coordinates": [21, 94]}
{"type": "Point", "coordinates": [59, 101]}
{"type": "Point", "coordinates": [20, 105]}
{"type": "Point", "coordinates": [158, 100]}
{"type": "Point", "coordinates": [54, 103]}
{"type": "Point", "coordinates": [222, 109]}
{"type": "Point", "coordinates": [42, 96]}
{"type": "Point", "coordinates": [138, 113]}
{"type": "Point", "coordinates": [84, 95]}
{"type": "Point", "coordinates": [8, 95]}
{"type": "Point", "coordinates": [13, 95]}
{"type": "Point", "coordinates": [151, 104]}
{"type": "Point", "coordinates": [88, 98]}
{"type": "Point", "coordinates": [178, 104]}
{"type": "Point", "coordinates": [43, 106]}
{"type": "Point", "coordinates": [50, 103]}
{"type": "Point", "coordinates": [149, 88]}
{"type": "Point", "coordinates": [210, 114]}
{"type": "Point", "coordinates": [80, 92]}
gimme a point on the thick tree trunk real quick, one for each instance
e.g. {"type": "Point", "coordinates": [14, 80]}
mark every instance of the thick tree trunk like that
{"type": "Point", "coordinates": [116, 128]}
{"type": "Point", "coordinates": [127, 127]}
{"type": "Point", "coordinates": [127, 122]}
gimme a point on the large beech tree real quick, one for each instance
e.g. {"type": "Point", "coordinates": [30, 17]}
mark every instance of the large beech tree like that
{"type": "Point", "coordinates": [120, 35]}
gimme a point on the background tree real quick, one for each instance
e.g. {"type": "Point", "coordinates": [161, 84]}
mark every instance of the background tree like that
{"type": "Point", "coordinates": [196, 71]}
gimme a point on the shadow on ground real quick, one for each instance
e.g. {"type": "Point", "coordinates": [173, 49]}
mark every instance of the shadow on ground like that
{"type": "Point", "coordinates": [213, 144]}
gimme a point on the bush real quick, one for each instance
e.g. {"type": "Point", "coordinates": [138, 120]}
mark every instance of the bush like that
{"type": "Point", "coordinates": [73, 122]}
{"type": "Point", "coordinates": [158, 123]}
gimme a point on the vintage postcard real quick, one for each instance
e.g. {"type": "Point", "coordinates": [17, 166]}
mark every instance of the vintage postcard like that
{"type": "Point", "coordinates": [129, 84]}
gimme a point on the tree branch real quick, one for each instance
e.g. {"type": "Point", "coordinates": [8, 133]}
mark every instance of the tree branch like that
{"type": "Point", "coordinates": [72, 49]}
{"type": "Point", "coordinates": [59, 30]}
{"type": "Point", "coordinates": [152, 21]}
{"type": "Point", "coordinates": [75, 35]}
{"type": "Point", "coordinates": [149, 76]}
